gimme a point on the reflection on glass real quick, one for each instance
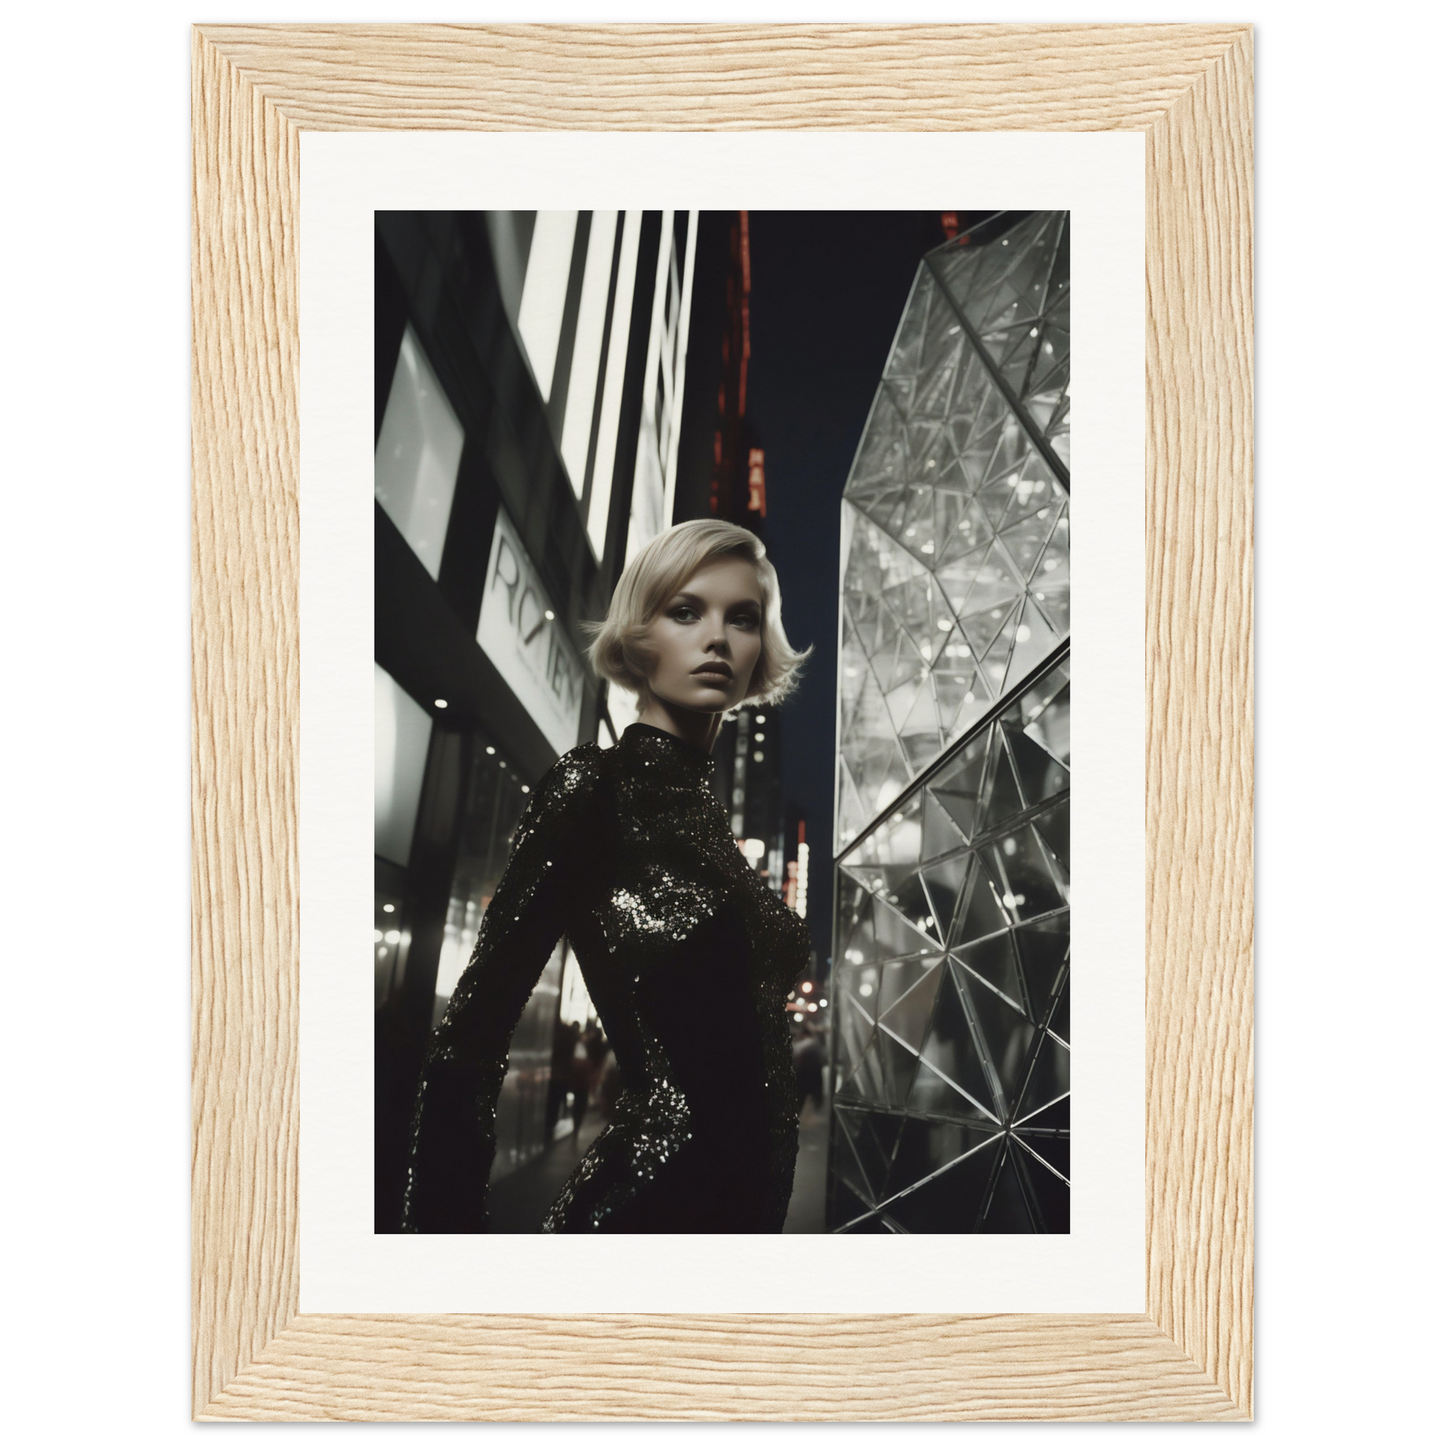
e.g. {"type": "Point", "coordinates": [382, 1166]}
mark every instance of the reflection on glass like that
{"type": "Point", "coordinates": [417, 455]}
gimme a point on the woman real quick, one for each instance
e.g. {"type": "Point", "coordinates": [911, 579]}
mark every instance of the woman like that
{"type": "Point", "coordinates": [687, 954]}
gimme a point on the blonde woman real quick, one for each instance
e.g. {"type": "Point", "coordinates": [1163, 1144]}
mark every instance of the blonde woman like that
{"type": "Point", "coordinates": [686, 952]}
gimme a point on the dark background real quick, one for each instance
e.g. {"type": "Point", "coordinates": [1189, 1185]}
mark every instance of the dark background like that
{"type": "Point", "coordinates": [828, 290]}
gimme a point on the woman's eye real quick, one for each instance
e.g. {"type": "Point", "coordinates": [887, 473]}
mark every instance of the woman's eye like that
{"type": "Point", "coordinates": [746, 620]}
{"type": "Point", "coordinates": [683, 614]}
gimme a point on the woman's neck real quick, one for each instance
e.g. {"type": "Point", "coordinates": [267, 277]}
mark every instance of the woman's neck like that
{"type": "Point", "coordinates": [698, 728]}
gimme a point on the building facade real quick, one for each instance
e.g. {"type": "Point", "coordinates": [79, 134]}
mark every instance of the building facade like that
{"type": "Point", "coordinates": [951, 941]}
{"type": "Point", "coordinates": [530, 396]}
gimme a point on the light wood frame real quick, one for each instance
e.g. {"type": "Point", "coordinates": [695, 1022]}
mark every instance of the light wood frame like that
{"type": "Point", "coordinates": [1189, 89]}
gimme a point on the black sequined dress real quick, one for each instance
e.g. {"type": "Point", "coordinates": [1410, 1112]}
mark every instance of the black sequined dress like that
{"type": "Point", "coordinates": [688, 957]}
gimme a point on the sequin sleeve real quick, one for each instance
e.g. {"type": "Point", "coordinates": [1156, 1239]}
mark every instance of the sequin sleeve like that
{"type": "Point", "coordinates": [453, 1131]}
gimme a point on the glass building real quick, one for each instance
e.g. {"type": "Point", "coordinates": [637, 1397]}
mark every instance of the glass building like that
{"type": "Point", "coordinates": [951, 938]}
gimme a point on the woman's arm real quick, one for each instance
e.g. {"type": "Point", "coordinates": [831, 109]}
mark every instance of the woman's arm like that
{"type": "Point", "coordinates": [453, 1130]}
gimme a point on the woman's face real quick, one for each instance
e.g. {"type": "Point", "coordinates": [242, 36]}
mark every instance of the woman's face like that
{"type": "Point", "coordinates": [705, 641]}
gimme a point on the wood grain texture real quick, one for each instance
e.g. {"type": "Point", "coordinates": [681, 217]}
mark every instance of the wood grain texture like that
{"type": "Point", "coordinates": [722, 1367]}
{"type": "Point", "coordinates": [723, 77]}
{"type": "Point", "coordinates": [245, 646]}
{"type": "Point", "coordinates": [1199, 691]}
{"type": "Point", "coordinates": [1189, 89]}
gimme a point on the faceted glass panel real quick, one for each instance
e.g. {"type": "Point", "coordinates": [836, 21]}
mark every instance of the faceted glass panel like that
{"type": "Point", "coordinates": [952, 833]}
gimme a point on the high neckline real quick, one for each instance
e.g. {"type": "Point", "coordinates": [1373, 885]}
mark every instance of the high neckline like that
{"type": "Point", "coordinates": [674, 755]}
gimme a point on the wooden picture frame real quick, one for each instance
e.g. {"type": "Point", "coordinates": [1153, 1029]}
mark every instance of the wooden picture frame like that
{"type": "Point", "coordinates": [1188, 89]}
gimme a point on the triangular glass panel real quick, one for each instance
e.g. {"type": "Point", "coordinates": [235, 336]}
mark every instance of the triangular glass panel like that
{"type": "Point", "coordinates": [963, 550]}
{"type": "Point", "coordinates": [996, 584]}
{"type": "Point", "coordinates": [908, 682]}
{"type": "Point", "coordinates": [919, 733]}
{"type": "Point", "coordinates": [1027, 529]}
{"type": "Point", "coordinates": [950, 1202]}
{"type": "Point", "coordinates": [1049, 726]}
{"type": "Point", "coordinates": [1047, 1079]}
{"type": "Point", "coordinates": [1052, 826]}
{"type": "Point", "coordinates": [1058, 866]}
{"type": "Point", "coordinates": [900, 389]}
{"type": "Point", "coordinates": [896, 1066]}
{"type": "Point", "coordinates": [853, 1033]}
{"type": "Point", "coordinates": [863, 1164]}
{"type": "Point", "coordinates": [1005, 801]}
{"type": "Point", "coordinates": [1038, 697]}
{"type": "Point", "coordinates": [1051, 1145]}
{"type": "Point", "coordinates": [897, 840]}
{"type": "Point", "coordinates": [865, 1085]}
{"type": "Point", "coordinates": [996, 496]}
{"type": "Point", "coordinates": [1053, 1118]}
{"type": "Point", "coordinates": [1049, 585]}
{"type": "Point", "coordinates": [1048, 1194]}
{"type": "Point", "coordinates": [1040, 774]}
{"type": "Point", "coordinates": [993, 960]}
{"type": "Point", "coordinates": [938, 1097]}
{"type": "Point", "coordinates": [981, 912]}
{"type": "Point", "coordinates": [900, 976]}
{"type": "Point", "coordinates": [926, 1146]}
{"type": "Point", "coordinates": [960, 787]}
{"type": "Point", "coordinates": [1007, 1210]}
{"type": "Point", "coordinates": [952, 1046]}
{"type": "Point", "coordinates": [1005, 1035]}
{"type": "Point", "coordinates": [845, 1161]}
{"type": "Point", "coordinates": [907, 1019]}
{"type": "Point", "coordinates": [1027, 884]}
{"type": "Point", "coordinates": [1043, 952]}
{"type": "Point", "coordinates": [850, 818]}
{"type": "Point", "coordinates": [1034, 639]}
{"type": "Point", "coordinates": [877, 1138]}
{"type": "Point", "coordinates": [943, 883]}
{"type": "Point", "coordinates": [896, 886]}
{"type": "Point", "coordinates": [995, 663]}
{"type": "Point", "coordinates": [885, 776]}
{"type": "Point", "coordinates": [940, 833]}
{"type": "Point", "coordinates": [958, 694]}
{"type": "Point", "coordinates": [983, 629]}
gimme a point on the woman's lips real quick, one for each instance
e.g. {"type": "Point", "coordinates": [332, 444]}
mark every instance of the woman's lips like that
{"type": "Point", "coordinates": [713, 674]}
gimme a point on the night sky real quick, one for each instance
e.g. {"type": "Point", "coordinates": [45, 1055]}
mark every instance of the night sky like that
{"type": "Point", "coordinates": [828, 289]}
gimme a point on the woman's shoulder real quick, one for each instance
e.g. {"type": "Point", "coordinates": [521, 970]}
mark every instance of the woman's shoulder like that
{"type": "Point", "coordinates": [577, 775]}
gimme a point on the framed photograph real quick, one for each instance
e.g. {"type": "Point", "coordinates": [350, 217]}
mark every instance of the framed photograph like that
{"type": "Point", "coordinates": [708, 649]}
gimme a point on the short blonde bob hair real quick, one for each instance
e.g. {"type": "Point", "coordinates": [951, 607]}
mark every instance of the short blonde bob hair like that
{"type": "Point", "coordinates": [618, 652]}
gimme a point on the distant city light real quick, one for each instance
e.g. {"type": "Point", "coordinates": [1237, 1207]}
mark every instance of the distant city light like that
{"type": "Point", "coordinates": [393, 935]}
{"type": "Point", "coordinates": [753, 849]}
{"type": "Point", "coordinates": [440, 702]}
{"type": "Point", "coordinates": [388, 907]}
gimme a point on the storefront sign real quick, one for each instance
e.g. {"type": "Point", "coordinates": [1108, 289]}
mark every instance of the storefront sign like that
{"type": "Point", "coordinates": [519, 631]}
